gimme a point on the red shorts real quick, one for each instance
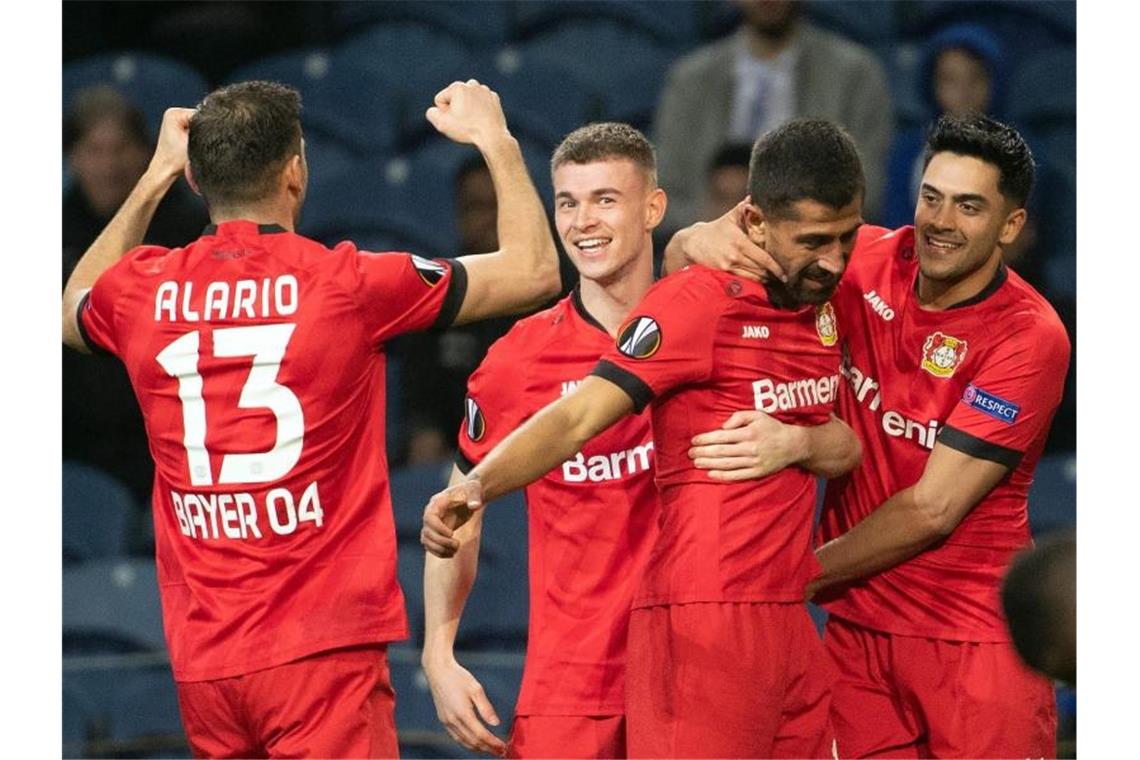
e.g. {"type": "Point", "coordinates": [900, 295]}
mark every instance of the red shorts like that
{"type": "Point", "coordinates": [331, 704]}
{"type": "Point", "coordinates": [727, 680]}
{"type": "Point", "coordinates": [907, 696]}
{"type": "Point", "coordinates": [570, 736]}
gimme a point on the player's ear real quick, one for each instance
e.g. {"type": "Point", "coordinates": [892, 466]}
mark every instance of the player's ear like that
{"type": "Point", "coordinates": [656, 205]}
{"type": "Point", "coordinates": [755, 223]}
{"type": "Point", "coordinates": [190, 179]}
{"type": "Point", "coordinates": [295, 174]}
{"type": "Point", "coordinates": [1011, 228]}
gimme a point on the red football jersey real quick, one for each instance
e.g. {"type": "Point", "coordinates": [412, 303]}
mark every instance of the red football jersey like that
{"type": "Point", "coordinates": [257, 357]}
{"type": "Point", "coordinates": [702, 345]}
{"type": "Point", "coordinates": [983, 377]}
{"type": "Point", "coordinates": [591, 520]}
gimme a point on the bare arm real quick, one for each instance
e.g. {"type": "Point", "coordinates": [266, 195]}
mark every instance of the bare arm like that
{"type": "Point", "coordinates": [127, 228]}
{"type": "Point", "coordinates": [460, 701]}
{"type": "Point", "coordinates": [911, 520]}
{"type": "Point", "coordinates": [722, 244]}
{"type": "Point", "coordinates": [550, 437]}
{"type": "Point", "coordinates": [752, 444]}
{"type": "Point", "coordinates": [523, 273]}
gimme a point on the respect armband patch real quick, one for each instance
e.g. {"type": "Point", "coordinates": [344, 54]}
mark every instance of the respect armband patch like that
{"type": "Point", "coordinates": [987, 403]}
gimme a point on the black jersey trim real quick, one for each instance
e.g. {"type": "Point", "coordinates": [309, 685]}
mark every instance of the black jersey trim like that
{"type": "Point", "coordinates": [633, 385]}
{"type": "Point", "coordinates": [576, 300]}
{"type": "Point", "coordinates": [976, 447]}
{"type": "Point", "coordinates": [87, 339]}
{"type": "Point", "coordinates": [456, 292]}
{"type": "Point", "coordinates": [262, 229]}
{"type": "Point", "coordinates": [999, 278]}
{"type": "Point", "coordinates": [464, 464]}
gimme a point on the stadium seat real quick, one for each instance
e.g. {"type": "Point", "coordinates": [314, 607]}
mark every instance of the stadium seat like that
{"type": "Point", "coordinates": [673, 23]}
{"type": "Point", "coordinates": [410, 572]}
{"type": "Point", "coordinates": [1043, 92]}
{"type": "Point", "coordinates": [1053, 495]}
{"type": "Point", "coordinates": [543, 100]}
{"type": "Point", "coordinates": [152, 82]}
{"type": "Point", "coordinates": [145, 707]}
{"type": "Point", "coordinates": [116, 599]}
{"type": "Point", "coordinates": [870, 22]}
{"type": "Point", "coordinates": [483, 23]}
{"type": "Point", "coordinates": [415, 710]}
{"type": "Point", "coordinates": [97, 513]}
{"type": "Point", "coordinates": [412, 487]}
{"type": "Point", "coordinates": [496, 613]}
{"type": "Point", "coordinates": [587, 49]}
{"type": "Point", "coordinates": [82, 720]}
{"type": "Point", "coordinates": [384, 197]}
{"type": "Point", "coordinates": [415, 61]}
{"type": "Point", "coordinates": [1024, 28]}
{"type": "Point", "coordinates": [356, 107]}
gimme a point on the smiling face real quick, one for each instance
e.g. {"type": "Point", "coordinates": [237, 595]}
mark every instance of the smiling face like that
{"type": "Point", "coordinates": [812, 244]}
{"type": "Point", "coordinates": [961, 223]}
{"type": "Point", "coordinates": [605, 212]}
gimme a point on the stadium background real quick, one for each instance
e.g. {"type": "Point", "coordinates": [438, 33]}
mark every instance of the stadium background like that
{"type": "Point", "coordinates": [379, 176]}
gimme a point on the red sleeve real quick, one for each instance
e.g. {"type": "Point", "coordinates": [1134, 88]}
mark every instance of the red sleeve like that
{"type": "Point", "coordinates": [669, 338]}
{"type": "Point", "coordinates": [401, 292]}
{"type": "Point", "coordinates": [96, 312]}
{"type": "Point", "coordinates": [1010, 400]}
{"type": "Point", "coordinates": [496, 403]}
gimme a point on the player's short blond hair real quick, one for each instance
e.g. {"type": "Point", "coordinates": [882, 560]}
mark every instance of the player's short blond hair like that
{"type": "Point", "coordinates": [603, 140]}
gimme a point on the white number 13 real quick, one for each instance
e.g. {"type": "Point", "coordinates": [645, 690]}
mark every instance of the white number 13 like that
{"type": "Point", "coordinates": [266, 344]}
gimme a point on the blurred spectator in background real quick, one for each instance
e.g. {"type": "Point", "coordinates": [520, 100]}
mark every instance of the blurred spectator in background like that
{"type": "Point", "coordinates": [962, 71]}
{"type": "Point", "coordinates": [107, 147]}
{"type": "Point", "coordinates": [776, 67]}
{"type": "Point", "coordinates": [436, 365]}
{"type": "Point", "coordinates": [727, 179]}
{"type": "Point", "coordinates": [1039, 596]}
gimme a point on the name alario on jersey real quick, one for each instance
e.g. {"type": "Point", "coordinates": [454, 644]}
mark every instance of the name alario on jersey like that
{"type": "Point", "coordinates": [893, 423]}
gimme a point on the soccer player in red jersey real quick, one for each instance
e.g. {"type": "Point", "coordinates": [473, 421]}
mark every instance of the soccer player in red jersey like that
{"type": "Point", "coordinates": [955, 367]}
{"type": "Point", "coordinates": [593, 519]}
{"type": "Point", "coordinates": [257, 357]}
{"type": "Point", "coordinates": [723, 659]}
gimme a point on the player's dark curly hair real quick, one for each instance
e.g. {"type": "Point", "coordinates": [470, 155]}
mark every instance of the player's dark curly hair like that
{"type": "Point", "coordinates": [991, 141]}
{"type": "Point", "coordinates": [240, 138]}
{"type": "Point", "coordinates": [602, 140]}
{"type": "Point", "coordinates": [805, 159]}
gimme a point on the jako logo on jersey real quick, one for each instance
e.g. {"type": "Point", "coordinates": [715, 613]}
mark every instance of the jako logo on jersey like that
{"type": "Point", "coordinates": [879, 305]}
{"type": "Point", "coordinates": [640, 338]}
{"type": "Point", "coordinates": [987, 403]}
{"type": "Point", "coordinates": [825, 324]}
{"type": "Point", "coordinates": [602, 467]}
{"type": "Point", "coordinates": [430, 272]}
{"type": "Point", "coordinates": [476, 425]}
{"type": "Point", "coordinates": [755, 331]}
{"type": "Point", "coordinates": [941, 354]}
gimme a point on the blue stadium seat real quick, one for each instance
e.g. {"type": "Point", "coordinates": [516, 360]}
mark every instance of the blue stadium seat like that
{"type": "Point", "coordinates": [81, 719]}
{"type": "Point", "coordinates": [671, 23]}
{"type": "Point", "coordinates": [1053, 496]}
{"type": "Point", "coordinates": [483, 23]}
{"type": "Point", "coordinates": [1043, 92]}
{"type": "Point", "coordinates": [416, 62]}
{"type": "Point", "coordinates": [410, 555]}
{"type": "Point", "coordinates": [587, 49]}
{"type": "Point", "coordinates": [543, 100]}
{"type": "Point", "coordinates": [114, 598]}
{"type": "Point", "coordinates": [152, 82]}
{"type": "Point", "coordinates": [501, 675]}
{"type": "Point", "coordinates": [1024, 27]}
{"type": "Point", "coordinates": [145, 706]}
{"type": "Point", "coordinates": [496, 613]}
{"type": "Point", "coordinates": [411, 489]}
{"type": "Point", "coordinates": [356, 107]}
{"type": "Point", "coordinates": [389, 200]}
{"type": "Point", "coordinates": [97, 513]}
{"type": "Point", "coordinates": [870, 22]}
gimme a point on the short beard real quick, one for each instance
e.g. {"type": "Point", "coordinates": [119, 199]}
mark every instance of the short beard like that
{"type": "Point", "coordinates": [791, 297]}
